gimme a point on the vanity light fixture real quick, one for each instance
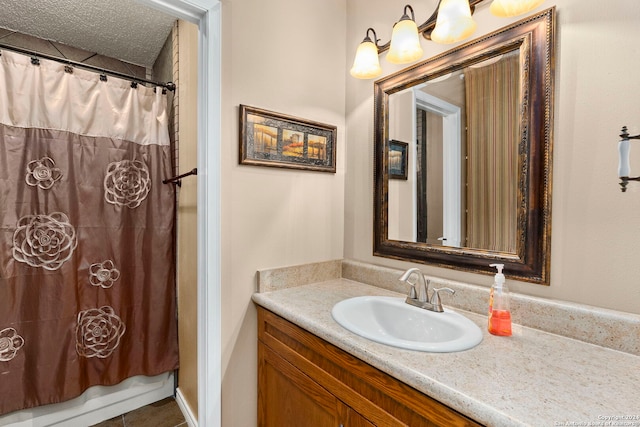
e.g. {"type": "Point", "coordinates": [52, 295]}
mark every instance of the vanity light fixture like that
{"type": "Point", "coordinates": [451, 22]}
{"type": "Point", "coordinates": [624, 169]}
{"type": "Point", "coordinates": [366, 65]}
{"type": "Point", "coordinates": [405, 44]}
{"type": "Point", "coordinates": [454, 22]}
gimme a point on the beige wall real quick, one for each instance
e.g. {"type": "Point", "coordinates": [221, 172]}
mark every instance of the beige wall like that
{"type": "Point", "coordinates": [187, 83]}
{"type": "Point", "coordinates": [292, 57]}
{"type": "Point", "coordinates": [285, 56]}
{"type": "Point", "coordinates": [595, 227]}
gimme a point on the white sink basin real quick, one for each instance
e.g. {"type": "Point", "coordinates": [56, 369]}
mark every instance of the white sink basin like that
{"type": "Point", "coordinates": [393, 322]}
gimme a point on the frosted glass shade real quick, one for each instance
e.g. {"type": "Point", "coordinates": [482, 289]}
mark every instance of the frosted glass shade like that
{"type": "Point", "coordinates": [454, 22]}
{"type": "Point", "coordinates": [624, 169]}
{"type": "Point", "coordinates": [366, 64]}
{"type": "Point", "coordinates": [405, 44]}
{"type": "Point", "coordinates": [507, 8]}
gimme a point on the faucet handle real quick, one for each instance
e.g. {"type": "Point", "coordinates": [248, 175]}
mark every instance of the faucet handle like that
{"type": "Point", "coordinates": [413, 294]}
{"type": "Point", "coordinates": [406, 276]}
{"type": "Point", "coordinates": [435, 298]}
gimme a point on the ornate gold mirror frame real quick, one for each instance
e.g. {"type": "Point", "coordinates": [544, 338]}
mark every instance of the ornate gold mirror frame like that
{"type": "Point", "coordinates": [533, 37]}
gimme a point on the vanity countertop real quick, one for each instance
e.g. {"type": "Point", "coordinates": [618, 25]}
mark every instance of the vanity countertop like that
{"type": "Point", "coordinates": [532, 378]}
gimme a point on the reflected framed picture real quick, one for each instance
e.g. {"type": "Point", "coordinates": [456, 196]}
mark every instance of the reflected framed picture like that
{"type": "Point", "coordinates": [278, 140]}
{"type": "Point", "coordinates": [398, 159]}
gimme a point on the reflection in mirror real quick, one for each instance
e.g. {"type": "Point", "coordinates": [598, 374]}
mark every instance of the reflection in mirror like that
{"type": "Point", "coordinates": [477, 121]}
{"type": "Point", "coordinates": [462, 130]}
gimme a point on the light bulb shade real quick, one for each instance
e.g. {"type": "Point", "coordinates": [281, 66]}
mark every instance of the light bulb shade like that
{"type": "Point", "coordinates": [405, 44]}
{"type": "Point", "coordinates": [507, 8]}
{"type": "Point", "coordinates": [366, 64]}
{"type": "Point", "coordinates": [454, 22]}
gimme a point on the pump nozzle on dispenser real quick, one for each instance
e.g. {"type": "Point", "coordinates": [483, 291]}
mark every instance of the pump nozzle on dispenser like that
{"type": "Point", "coordinates": [499, 277]}
{"type": "Point", "coordinates": [498, 266]}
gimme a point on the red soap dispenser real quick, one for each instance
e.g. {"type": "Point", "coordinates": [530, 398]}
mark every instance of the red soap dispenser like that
{"type": "Point", "coordinates": [499, 312]}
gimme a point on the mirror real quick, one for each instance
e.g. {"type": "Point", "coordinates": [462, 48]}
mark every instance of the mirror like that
{"type": "Point", "coordinates": [463, 155]}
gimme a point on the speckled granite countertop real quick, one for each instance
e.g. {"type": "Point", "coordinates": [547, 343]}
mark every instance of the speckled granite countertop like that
{"type": "Point", "coordinates": [532, 378]}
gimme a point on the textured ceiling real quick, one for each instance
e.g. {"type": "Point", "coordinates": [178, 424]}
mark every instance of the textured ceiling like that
{"type": "Point", "coordinates": [121, 29]}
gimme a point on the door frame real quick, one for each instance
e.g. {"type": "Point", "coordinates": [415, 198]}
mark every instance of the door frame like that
{"type": "Point", "coordinates": [207, 14]}
{"type": "Point", "coordinates": [452, 164]}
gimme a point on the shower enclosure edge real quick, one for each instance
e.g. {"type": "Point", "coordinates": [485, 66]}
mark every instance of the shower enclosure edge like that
{"type": "Point", "coordinates": [97, 404]}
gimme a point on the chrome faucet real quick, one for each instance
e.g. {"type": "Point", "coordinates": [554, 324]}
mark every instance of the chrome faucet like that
{"type": "Point", "coordinates": [420, 297]}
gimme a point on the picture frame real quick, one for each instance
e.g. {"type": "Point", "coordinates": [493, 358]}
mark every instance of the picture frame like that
{"type": "Point", "coordinates": [398, 159]}
{"type": "Point", "coordinates": [279, 140]}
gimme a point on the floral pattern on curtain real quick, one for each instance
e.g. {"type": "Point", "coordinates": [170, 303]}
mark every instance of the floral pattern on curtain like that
{"type": "Point", "coordinates": [87, 258]}
{"type": "Point", "coordinates": [492, 100]}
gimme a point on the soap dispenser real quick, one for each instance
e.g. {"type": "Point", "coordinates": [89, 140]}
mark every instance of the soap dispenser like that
{"type": "Point", "coordinates": [499, 311]}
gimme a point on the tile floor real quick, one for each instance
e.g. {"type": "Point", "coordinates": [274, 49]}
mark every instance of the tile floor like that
{"type": "Point", "coordinates": [164, 413]}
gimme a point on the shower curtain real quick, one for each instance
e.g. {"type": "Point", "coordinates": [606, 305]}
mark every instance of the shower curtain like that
{"type": "Point", "coordinates": [492, 95]}
{"type": "Point", "coordinates": [87, 283]}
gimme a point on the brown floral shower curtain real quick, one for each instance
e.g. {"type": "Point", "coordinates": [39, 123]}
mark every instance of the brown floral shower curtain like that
{"type": "Point", "coordinates": [87, 292]}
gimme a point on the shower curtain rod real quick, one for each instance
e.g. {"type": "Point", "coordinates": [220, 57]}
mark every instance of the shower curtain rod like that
{"type": "Point", "coordinates": [169, 85]}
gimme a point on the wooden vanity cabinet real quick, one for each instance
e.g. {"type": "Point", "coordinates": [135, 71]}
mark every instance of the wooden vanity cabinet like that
{"type": "Point", "coordinates": [306, 381]}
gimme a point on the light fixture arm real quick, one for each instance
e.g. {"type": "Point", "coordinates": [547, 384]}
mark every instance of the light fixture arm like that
{"type": "Point", "coordinates": [624, 158]}
{"type": "Point", "coordinates": [375, 37]}
{"type": "Point", "coordinates": [427, 26]}
{"type": "Point", "coordinates": [404, 13]}
{"type": "Point", "coordinates": [434, 16]}
{"type": "Point", "coordinates": [625, 134]}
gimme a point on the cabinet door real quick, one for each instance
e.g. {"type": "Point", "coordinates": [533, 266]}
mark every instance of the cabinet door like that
{"type": "Point", "coordinates": [304, 381]}
{"type": "Point", "coordinates": [350, 418]}
{"type": "Point", "coordinates": [289, 398]}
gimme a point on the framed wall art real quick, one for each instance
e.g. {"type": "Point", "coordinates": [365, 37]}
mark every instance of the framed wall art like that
{"type": "Point", "coordinates": [398, 160]}
{"type": "Point", "coordinates": [279, 140]}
